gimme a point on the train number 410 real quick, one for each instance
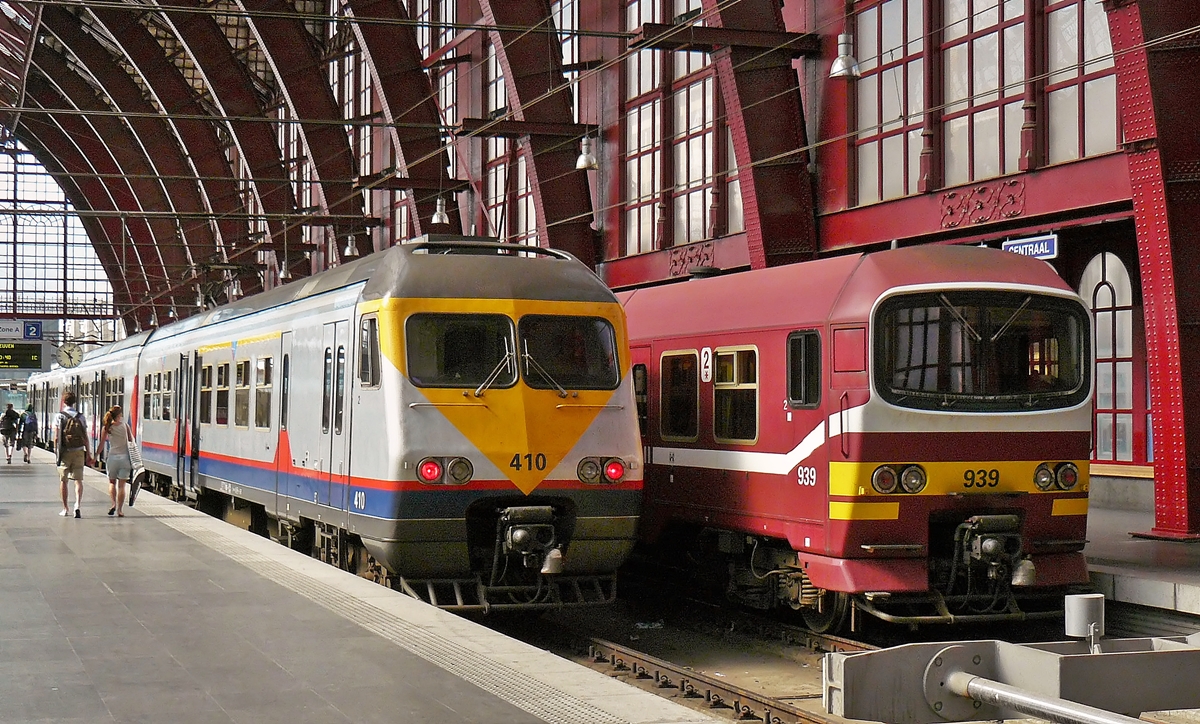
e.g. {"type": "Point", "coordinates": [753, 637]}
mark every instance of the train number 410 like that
{"type": "Point", "coordinates": [531, 461]}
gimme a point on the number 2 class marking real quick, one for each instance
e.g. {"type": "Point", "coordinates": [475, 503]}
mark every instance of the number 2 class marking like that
{"type": "Point", "coordinates": [528, 461]}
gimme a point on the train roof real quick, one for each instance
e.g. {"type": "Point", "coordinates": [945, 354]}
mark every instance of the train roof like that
{"type": "Point", "coordinates": [433, 265]}
{"type": "Point", "coordinates": [841, 288]}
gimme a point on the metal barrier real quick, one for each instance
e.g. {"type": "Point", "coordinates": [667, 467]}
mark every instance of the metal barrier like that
{"type": "Point", "coordinates": [1092, 681]}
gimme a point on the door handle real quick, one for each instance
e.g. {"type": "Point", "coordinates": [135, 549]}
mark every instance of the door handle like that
{"type": "Point", "coordinates": [843, 404]}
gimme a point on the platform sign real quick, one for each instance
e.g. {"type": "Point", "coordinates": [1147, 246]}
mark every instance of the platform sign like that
{"type": "Point", "coordinates": [1039, 247]}
{"type": "Point", "coordinates": [22, 356]}
{"type": "Point", "coordinates": [11, 329]}
{"type": "Point", "coordinates": [33, 330]}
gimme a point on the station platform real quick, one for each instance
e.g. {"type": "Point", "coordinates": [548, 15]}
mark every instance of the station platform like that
{"type": "Point", "coordinates": [1155, 573]}
{"type": "Point", "coordinates": [170, 615]}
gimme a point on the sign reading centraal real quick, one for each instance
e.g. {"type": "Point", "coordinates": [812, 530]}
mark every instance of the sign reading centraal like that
{"type": "Point", "coordinates": [1039, 247]}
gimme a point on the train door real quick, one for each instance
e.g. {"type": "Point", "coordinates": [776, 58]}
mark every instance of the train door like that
{"type": "Point", "coordinates": [182, 420]}
{"type": "Point", "coordinates": [641, 358]}
{"type": "Point", "coordinates": [809, 484]}
{"type": "Point", "coordinates": [283, 447]}
{"type": "Point", "coordinates": [339, 466]}
{"type": "Point", "coordinates": [331, 450]}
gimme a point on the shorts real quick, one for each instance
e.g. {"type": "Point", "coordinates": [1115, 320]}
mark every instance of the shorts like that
{"type": "Point", "coordinates": [119, 467]}
{"type": "Point", "coordinates": [71, 465]}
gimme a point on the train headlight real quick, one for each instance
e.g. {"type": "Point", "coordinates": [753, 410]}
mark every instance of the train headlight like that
{"type": "Point", "coordinates": [913, 479]}
{"type": "Point", "coordinates": [460, 471]}
{"type": "Point", "coordinates": [614, 470]}
{"type": "Point", "coordinates": [1043, 477]}
{"type": "Point", "coordinates": [1067, 476]}
{"type": "Point", "coordinates": [589, 471]}
{"type": "Point", "coordinates": [884, 479]}
{"type": "Point", "coordinates": [429, 470]}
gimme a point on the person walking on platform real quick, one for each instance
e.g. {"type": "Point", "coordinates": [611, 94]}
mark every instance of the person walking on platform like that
{"type": "Point", "coordinates": [73, 449]}
{"type": "Point", "coordinates": [28, 431]}
{"type": "Point", "coordinates": [8, 428]}
{"type": "Point", "coordinates": [115, 431]}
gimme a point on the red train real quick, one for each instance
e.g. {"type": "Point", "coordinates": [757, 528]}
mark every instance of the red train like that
{"type": "Point", "coordinates": [903, 433]}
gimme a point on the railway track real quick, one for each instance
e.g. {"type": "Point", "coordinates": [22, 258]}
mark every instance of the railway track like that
{"type": "Point", "coordinates": [740, 703]}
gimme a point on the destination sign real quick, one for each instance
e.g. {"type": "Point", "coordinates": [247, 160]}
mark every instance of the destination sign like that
{"type": "Point", "coordinates": [1039, 247]}
{"type": "Point", "coordinates": [20, 355]}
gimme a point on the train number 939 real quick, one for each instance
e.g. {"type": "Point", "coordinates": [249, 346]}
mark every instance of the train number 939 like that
{"type": "Point", "coordinates": [981, 478]}
{"type": "Point", "coordinates": [806, 475]}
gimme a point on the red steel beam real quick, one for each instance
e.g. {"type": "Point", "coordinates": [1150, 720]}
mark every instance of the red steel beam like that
{"type": "Point", "coordinates": [1156, 93]}
{"type": "Point", "coordinates": [154, 134]}
{"type": "Point", "coordinates": [302, 76]}
{"type": "Point", "coordinates": [59, 149]}
{"type": "Point", "coordinates": [661, 36]}
{"type": "Point", "coordinates": [119, 143]}
{"type": "Point", "coordinates": [561, 196]}
{"type": "Point", "coordinates": [174, 95]}
{"type": "Point", "coordinates": [233, 91]}
{"type": "Point", "coordinates": [766, 120]}
{"type": "Point", "coordinates": [407, 99]}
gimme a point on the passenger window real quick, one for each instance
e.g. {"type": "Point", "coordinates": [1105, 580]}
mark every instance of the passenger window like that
{"type": "Point", "coordinates": [327, 390]}
{"type": "Point", "coordinates": [640, 396]}
{"type": "Point", "coordinates": [804, 369]}
{"type": "Point", "coordinates": [340, 403]}
{"type": "Point", "coordinates": [680, 396]}
{"type": "Point", "coordinates": [223, 394]}
{"type": "Point", "coordinates": [735, 395]}
{"type": "Point", "coordinates": [166, 397]}
{"type": "Point", "coordinates": [368, 353]}
{"type": "Point", "coordinates": [262, 392]}
{"type": "Point", "coordinates": [146, 393]}
{"type": "Point", "coordinates": [156, 401]}
{"type": "Point", "coordinates": [241, 396]}
{"type": "Point", "coordinates": [283, 393]}
{"type": "Point", "coordinates": [206, 394]}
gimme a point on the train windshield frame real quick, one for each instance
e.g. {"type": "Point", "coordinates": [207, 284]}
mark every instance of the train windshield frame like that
{"type": "Point", "coordinates": [460, 350]}
{"type": "Point", "coordinates": [568, 352]}
{"type": "Point", "coordinates": [982, 351]}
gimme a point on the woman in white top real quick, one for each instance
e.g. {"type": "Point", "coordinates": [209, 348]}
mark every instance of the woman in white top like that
{"type": "Point", "coordinates": [116, 432]}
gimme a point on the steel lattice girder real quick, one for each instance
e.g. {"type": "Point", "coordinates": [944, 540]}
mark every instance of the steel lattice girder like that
{"type": "Point", "coordinates": [408, 103]}
{"type": "Point", "coordinates": [534, 80]}
{"type": "Point", "coordinates": [123, 147]}
{"type": "Point", "coordinates": [162, 153]}
{"type": "Point", "coordinates": [175, 96]}
{"type": "Point", "coordinates": [766, 120]}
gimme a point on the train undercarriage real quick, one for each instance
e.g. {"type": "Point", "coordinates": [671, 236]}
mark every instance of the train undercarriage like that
{"type": "Point", "coordinates": [977, 569]}
{"type": "Point", "coordinates": [517, 568]}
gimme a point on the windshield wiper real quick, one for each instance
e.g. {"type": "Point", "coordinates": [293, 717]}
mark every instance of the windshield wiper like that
{"type": "Point", "coordinates": [961, 320]}
{"type": "Point", "coordinates": [501, 365]}
{"type": "Point", "coordinates": [530, 362]}
{"type": "Point", "coordinates": [1004, 328]}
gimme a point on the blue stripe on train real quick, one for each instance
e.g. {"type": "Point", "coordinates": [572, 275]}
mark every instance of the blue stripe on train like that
{"type": "Point", "coordinates": [444, 502]}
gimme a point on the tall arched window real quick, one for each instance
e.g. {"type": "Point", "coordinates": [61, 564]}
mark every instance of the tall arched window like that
{"type": "Point", "coordinates": [1107, 289]}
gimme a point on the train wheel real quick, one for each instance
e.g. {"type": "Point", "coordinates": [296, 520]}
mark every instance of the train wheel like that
{"type": "Point", "coordinates": [835, 606]}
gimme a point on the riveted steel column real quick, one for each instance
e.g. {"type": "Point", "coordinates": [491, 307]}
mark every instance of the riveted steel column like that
{"type": "Point", "coordinates": [1157, 92]}
{"type": "Point", "coordinates": [766, 120]}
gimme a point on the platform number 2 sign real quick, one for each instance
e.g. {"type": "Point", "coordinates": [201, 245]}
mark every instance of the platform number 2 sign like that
{"type": "Point", "coordinates": [706, 364]}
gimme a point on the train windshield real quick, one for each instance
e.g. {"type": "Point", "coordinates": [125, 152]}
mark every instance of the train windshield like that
{"type": "Point", "coordinates": [460, 350]}
{"type": "Point", "coordinates": [568, 353]}
{"type": "Point", "coordinates": [981, 351]}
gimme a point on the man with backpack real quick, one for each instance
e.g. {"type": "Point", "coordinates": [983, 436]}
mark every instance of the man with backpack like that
{"type": "Point", "coordinates": [28, 430]}
{"type": "Point", "coordinates": [8, 429]}
{"type": "Point", "coordinates": [72, 447]}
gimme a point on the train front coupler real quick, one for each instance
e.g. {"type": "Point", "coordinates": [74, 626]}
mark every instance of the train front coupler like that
{"type": "Point", "coordinates": [993, 542]}
{"type": "Point", "coordinates": [529, 533]}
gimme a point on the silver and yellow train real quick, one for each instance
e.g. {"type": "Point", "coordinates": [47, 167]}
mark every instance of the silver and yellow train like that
{"type": "Point", "coordinates": [452, 417]}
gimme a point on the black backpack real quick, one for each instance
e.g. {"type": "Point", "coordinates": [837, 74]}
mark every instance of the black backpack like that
{"type": "Point", "coordinates": [8, 421]}
{"type": "Point", "coordinates": [74, 432]}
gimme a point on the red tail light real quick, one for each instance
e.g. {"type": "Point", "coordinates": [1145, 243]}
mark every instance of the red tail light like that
{"type": "Point", "coordinates": [614, 470]}
{"type": "Point", "coordinates": [429, 470]}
